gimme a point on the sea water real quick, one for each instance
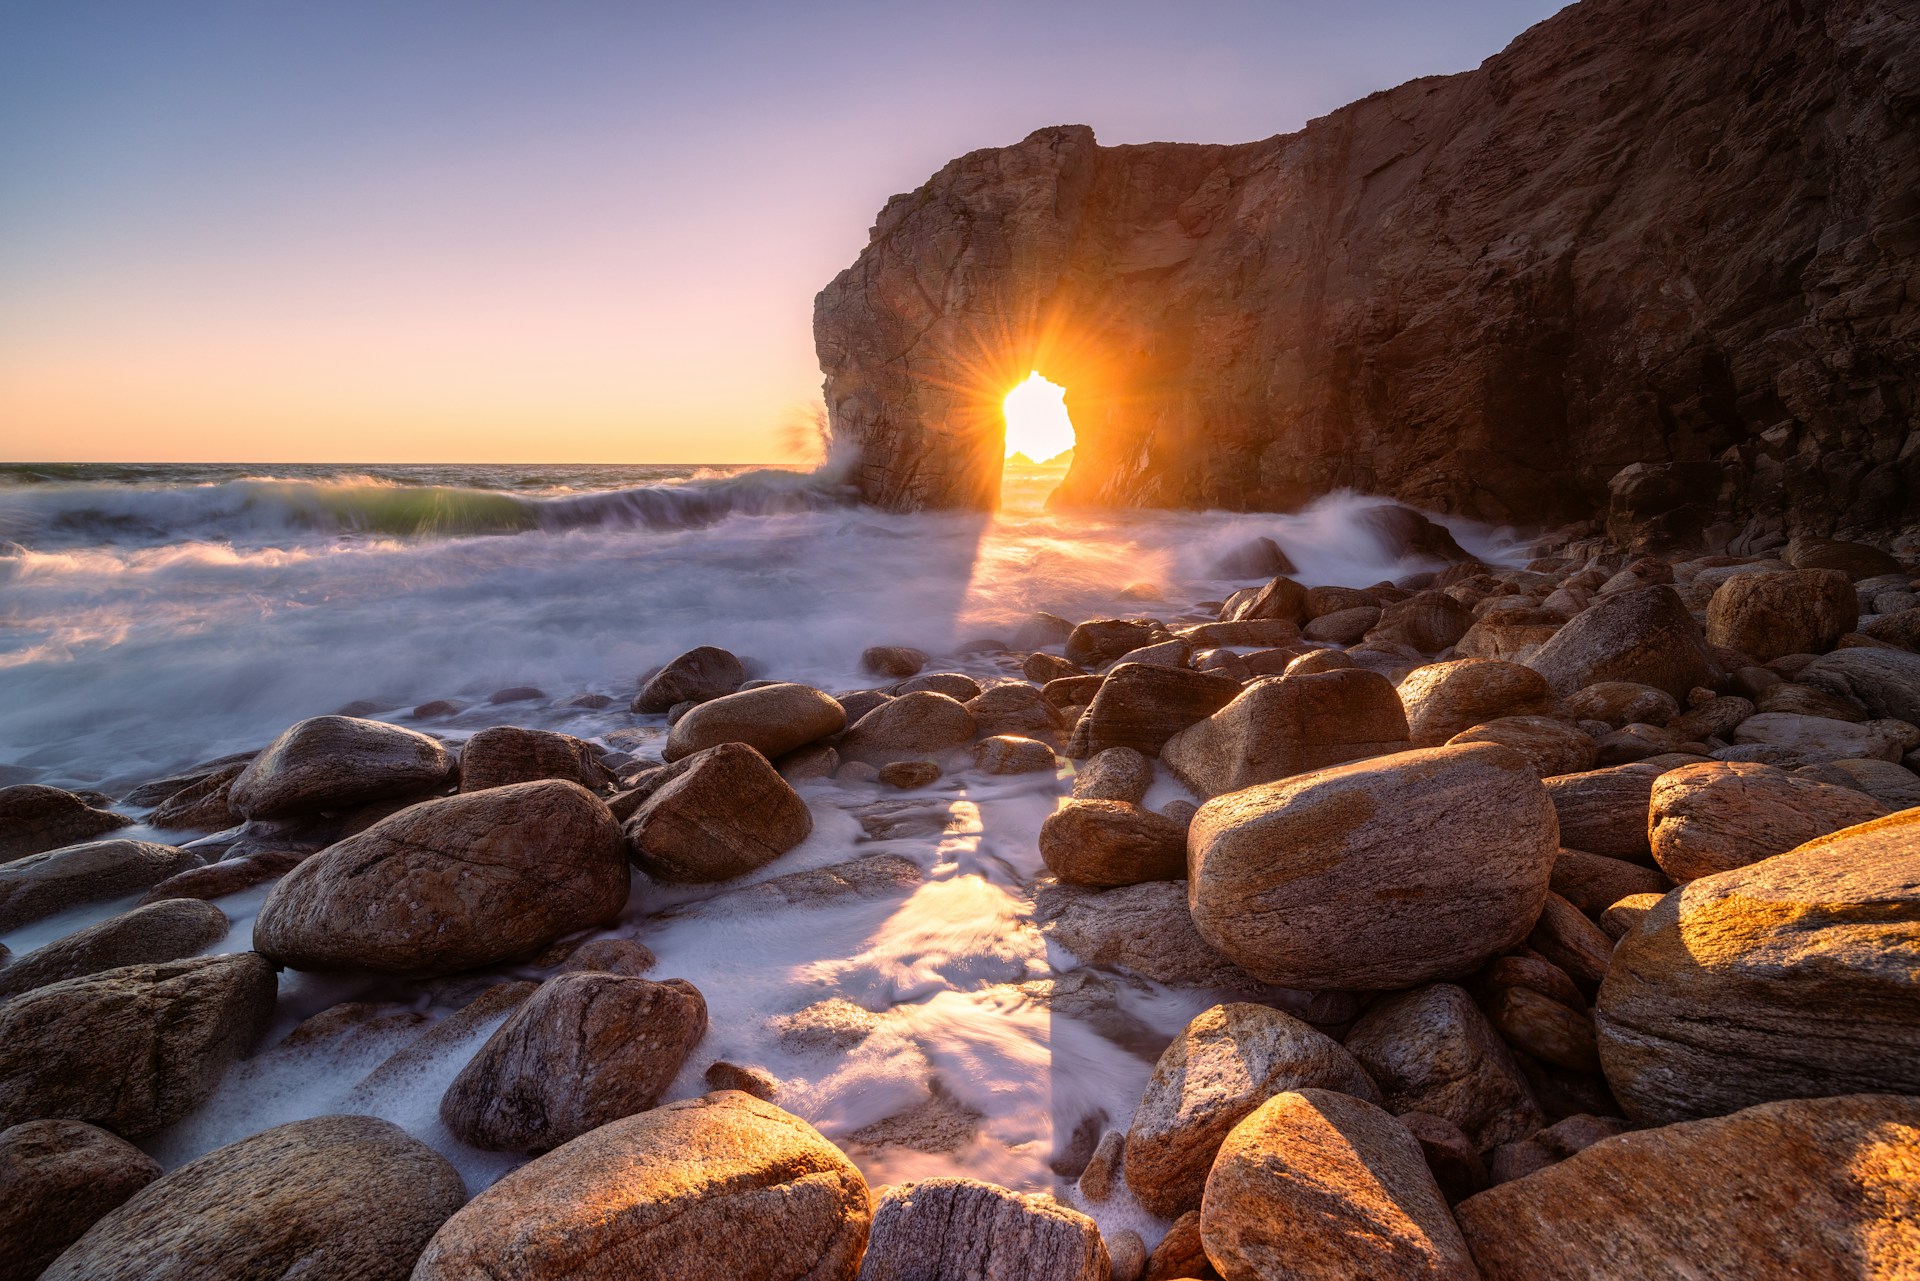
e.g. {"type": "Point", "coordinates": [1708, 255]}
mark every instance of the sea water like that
{"type": "Point", "coordinates": [152, 617]}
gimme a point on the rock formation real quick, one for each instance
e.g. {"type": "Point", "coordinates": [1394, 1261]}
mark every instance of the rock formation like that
{"type": "Point", "coordinates": [1649, 262]}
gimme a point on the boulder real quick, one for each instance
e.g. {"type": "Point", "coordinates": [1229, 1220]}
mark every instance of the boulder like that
{"type": "Point", "coordinates": [1041, 667]}
{"type": "Point", "coordinates": [1621, 703]}
{"type": "Point", "coordinates": [39, 885]}
{"type": "Point", "coordinates": [892, 660]}
{"type": "Point", "coordinates": [1344, 626]}
{"type": "Point", "coordinates": [1142, 705]}
{"type": "Point", "coordinates": [1428, 621]}
{"type": "Point", "coordinates": [774, 719]}
{"type": "Point", "coordinates": [229, 876]}
{"type": "Point", "coordinates": [726, 813]}
{"type": "Point", "coordinates": [1712, 718]}
{"type": "Point", "coordinates": [1886, 682]}
{"type": "Point", "coordinates": [1279, 727]}
{"type": "Point", "coordinates": [697, 676]}
{"type": "Point", "coordinates": [1894, 786]}
{"type": "Point", "coordinates": [1792, 977]}
{"type": "Point", "coordinates": [911, 726]}
{"type": "Point", "coordinates": [1311, 663]}
{"type": "Point", "coordinates": [1821, 1189]}
{"type": "Point", "coordinates": [1258, 557]}
{"type": "Point", "coordinates": [1552, 747]}
{"type": "Point", "coordinates": [451, 884]}
{"type": "Point", "coordinates": [955, 685]}
{"type": "Point", "coordinates": [1855, 560]}
{"type": "Point", "coordinates": [1718, 816]}
{"type": "Point", "coordinates": [132, 1049]}
{"type": "Point", "coordinates": [1115, 774]}
{"type": "Point", "coordinates": [586, 1049]}
{"type": "Point", "coordinates": [1645, 636]}
{"type": "Point", "coordinates": [1552, 1145]}
{"type": "Point", "coordinates": [201, 805]}
{"type": "Point", "coordinates": [34, 818]}
{"type": "Point", "coordinates": [1567, 938]}
{"type": "Point", "coordinates": [1180, 1253]}
{"type": "Point", "coordinates": [1254, 633]}
{"type": "Point", "coordinates": [1013, 709]}
{"type": "Point", "coordinates": [1594, 882]}
{"type": "Point", "coordinates": [905, 775]}
{"type": "Point", "coordinates": [1431, 1050]}
{"type": "Point", "coordinates": [724, 1185]}
{"type": "Point", "coordinates": [1098, 642]}
{"type": "Point", "coordinates": [1902, 629]}
{"type": "Point", "coordinates": [1604, 811]}
{"type": "Point", "coordinates": [1442, 699]}
{"type": "Point", "coordinates": [332, 763]}
{"type": "Point", "coordinates": [1144, 929]}
{"type": "Point", "coordinates": [1376, 875]}
{"type": "Point", "coordinates": [1280, 598]}
{"type": "Point", "coordinates": [1316, 1185]}
{"type": "Point", "coordinates": [1456, 1167]}
{"type": "Point", "coordinates": [1228, 1061]}
{"type": "Point", "coordinates": [1110, 843]}
{"type": "Point", "coordinates": [507, 754]}
{"type": "Point", "coordinates": [1551, 1031]}
{"type": "Point", "coordinates": [150, 935]}
{"type": "Point", "coordinates": [1770, 615]}
{"type": "Point", "coordinates": [57, 1178]}
{"type": "Point", "coordinates": [948, 1229]}
{"type": "Point", "coordinates": [333, 1196]}
{"type": "Point", "coordinates": [1820, 738]}
{"type": "Point", "coordinates": [1011, 754]}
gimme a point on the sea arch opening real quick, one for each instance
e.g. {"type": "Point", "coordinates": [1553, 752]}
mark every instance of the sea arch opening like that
{"type": "Point", "coordinates": [1039, 442]}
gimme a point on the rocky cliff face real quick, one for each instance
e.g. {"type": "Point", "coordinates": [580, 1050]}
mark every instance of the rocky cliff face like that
{"type": "Point", "coordinates": [1658, 261]}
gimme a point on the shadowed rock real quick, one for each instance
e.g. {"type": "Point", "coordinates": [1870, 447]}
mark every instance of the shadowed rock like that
{"type": "Point", "coordinates": [725, 813]}
{"type": "Point", "coordinates": [949, 1229]}
{"type": "Point", "coordinates": [1276, 728]}
{"type": "Point", "coordinates": [40, 885]}
{"type": "Point", "coordinates": [696, 676]}
{"type": "Point", "coordinates": [34, 818]}
{"type": "Point", "coordinates": [775, 719]}
{"type": "Point", "coordinates": [507, 754]}
{"type": "Point", "coordinates": [336, 763]}
{"type": "Point", "coordinates": [150, 935]}
{"type": "Point", "coordinates": [57, 1178]}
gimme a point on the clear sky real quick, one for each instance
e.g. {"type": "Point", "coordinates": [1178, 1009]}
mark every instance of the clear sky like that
{"type": "Point", "coordinates": [547, 230]}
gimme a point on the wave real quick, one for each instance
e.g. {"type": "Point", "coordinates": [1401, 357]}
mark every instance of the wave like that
{"type": "Point", "coordinates": [253, 510]}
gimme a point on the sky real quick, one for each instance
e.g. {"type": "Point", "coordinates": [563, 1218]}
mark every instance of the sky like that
{"type": "Point", "coordinates": [548, 230]}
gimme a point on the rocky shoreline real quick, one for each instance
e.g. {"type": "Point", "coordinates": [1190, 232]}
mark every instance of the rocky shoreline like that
{"type": "Point", "coordinates": [1557, 921]}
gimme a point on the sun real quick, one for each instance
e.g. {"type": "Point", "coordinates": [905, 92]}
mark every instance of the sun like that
{"type": "Point", "coordinates": [1037, 422]}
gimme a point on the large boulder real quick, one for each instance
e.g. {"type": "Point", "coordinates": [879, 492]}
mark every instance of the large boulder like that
{"type": "Point", "coordinates": [337, 763]}
{"type": "Point", "coordinates": [34, 818]}
{"type": "Point", "coordinates": [1278, 727]}
{"type": "Point", "coordinates": [1443, 699]}
{"type": "Point", "coordinates": [1886, 682]}
{"type": "Point", "coordinates": [1228, 1061]}
{"type": "Point", "coordinates": [775, 719]}
{"type": "Point", "coordinates": [1822, 738]}
{"type": "Point", "coordinates": [1604, 811]}
{"type": "Point", "coordinates": [1551, 746]}
{"type": "Point", "coordinates": [947, 1229]}
{"type": "Point", "coordinates": [1814, 1189]}
{"type": "Point", "coordinates": [1768, 616]}
{"type": "Point", "coordinates": [1431, 1050]}
{"type": "Point", "coordinates": [57, 1178]}
{"type": "Point", "coordinates": [908, 727]}
{"type": "Point", "coordinates": [725, 813]}
{"type": "Point", "coordinates": [1013, 709]}
{"type": "Point", "coordinates": [1145, 929]}
{"type": "Point", "coordinates": [149, 935]}
{"type": "Point", "coordinates": [1142, 705]}
{"type": "Point", "coordinates": [586, 1049]}
{"type": "Point", "coordinates": [1721, 815]}
{"type": "Point", "coordinates": [1428, 621]}
{"type": "Point", "coordinates": [1326, 1187]}
{"type": "Point", "coordinates": [697, 676]}
{"type": "Point", "coordinates": [508, 754]}
{"type": "Point", "coordinates": [1099, 641]}
{"type": "Point", "coordinates": [1116, 774]}
{"type": "Point", "coordinates": [718, 1186]}
{"type": "Point", "coordinates": [133, 1049]}
{"type": "Point", "coordinates": [1110, 843]}
{"type": "Point", "coordinates": [1793, 977]}
{"type": "Point", "coordinates": [1645, 636]}
{"type": "Point", "coordinates": [1279, 597]}
{"type": "Point", "coordinates": [40, 885]}
{"type": "Point", "coordinates": [1375, 875]}
{"type": "Point", "coordinates": [1621, 703]}
{"type": "Point", "coordinates": [451, 884]}
{"type": "Point", "coordinates": [333, 1196]}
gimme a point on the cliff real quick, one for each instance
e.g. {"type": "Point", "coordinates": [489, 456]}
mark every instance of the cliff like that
{"type": "Point", "coordinates": [1658, 260]}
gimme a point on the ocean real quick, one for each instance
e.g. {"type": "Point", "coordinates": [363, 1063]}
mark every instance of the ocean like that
{"type": "Point", "coordinates": [155, 616]}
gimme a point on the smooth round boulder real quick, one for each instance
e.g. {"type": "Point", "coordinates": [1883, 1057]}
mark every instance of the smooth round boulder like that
{"type": "Point", "coordinates": [1551, 746]}
{"type": "Point", "coordinates": [1013, 709]}
{"type": "Point", "coordinates": [724, 1185]}
{"type": "Point", "coordinates": [1792, 977]}
{"type": "Point", "coordinates": [332, 1196]}
{"type": "Point", "coordinates": [1720, 815]}
{"type": "Point", "coordinates": [1279, 598]}
{"type": "Point", "coordinates": [451, 884]}
{"type": "Point", "coordinates": [1431, 1050]}
{"type": "Point", "coordinates": [1117, 774]}
{"type": "Point", "coordinates": [1621, 703]}
{"type": "Point", "coordinates": [328, 763]}
{"type": "Point", "coordinates": [1594, 882]}
{"type": "Point", "coordinates": [1100, 641]}
{"type": "Point", "coordinates": [1815, 1189]}
{"type": "Point", "coordinates": [948, 1229]}
{"type": "Point", "coordinates": [1771, 615]}
{"type": "Point", "coordinates": [507, 754]}
{"type": "Point", "coordinates": [1011, 754]}
{"type": "Point", "coordinates": [1109, 843]}
{"type": "Point", "coordinates": [1442, 699]}
{"type": "Point", "coordinates": [908, 727]}
{"type": "Point", "coordinates": [149, 935]}
{"type": "Point", "coordinates": [1377, 875]}
{"type": "Point", "coordinates": [1228, 1061]}
{"type": "Point", "coordinates": [1279, 727]}
{"type": "Point", "coordinates": [697, 676]}
{"type": "Point", "coordinates": [1886, 682]}
{"type": "Point", "coordinates": [1427, 621]}
{"type": "Point", "coordinates": [774, 719]}
{"type": "Point", "coordinates": [1142, 705]}
{"type": "Point", "coordinates": [1318, 1185]}
{"type": "Point", "coordinates": [586, 1049]}
{"type": "Point", "coordinates": [892, 660]}
{"type": "Point", "coordinates": [40, 885]}
{"type": "Point", "coordinates": [725, 812]}
{"type": "Point", "coordinates": [34, 818]}
{"type": "Point", "coordinates": [132, 1049]}
{"type": "Point", "coordinates": [57, 1178]}
{"type": "Point", "coordinates": [1646, 636]}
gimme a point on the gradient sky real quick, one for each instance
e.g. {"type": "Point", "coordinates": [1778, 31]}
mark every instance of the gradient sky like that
{"type": "Point", "coordinates": [421, 230]}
